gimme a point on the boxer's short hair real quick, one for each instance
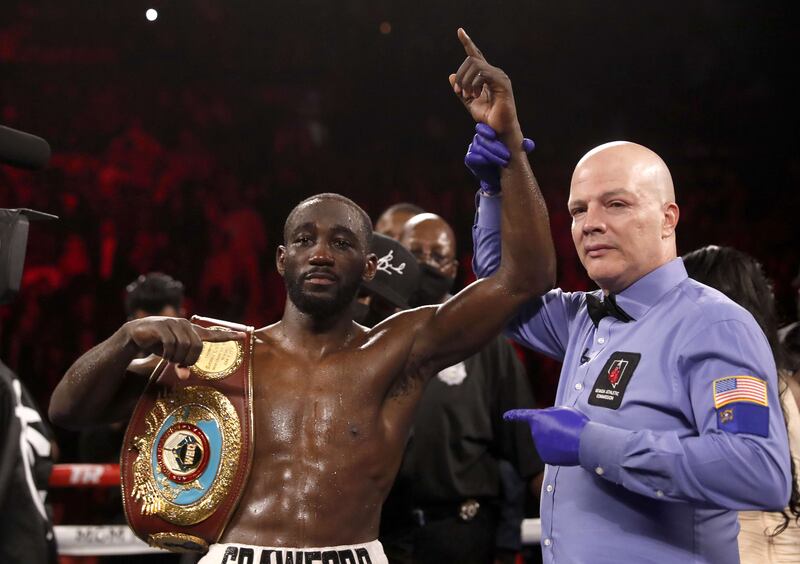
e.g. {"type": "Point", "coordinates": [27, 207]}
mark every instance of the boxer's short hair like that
{"type": "Point", "coordinates": [365, 222]}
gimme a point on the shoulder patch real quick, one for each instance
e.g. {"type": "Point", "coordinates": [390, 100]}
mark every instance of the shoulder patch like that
{"type": "Point", "coordinates": [739, 389]}
{"type": "Point", "coordinates": [742, 405]}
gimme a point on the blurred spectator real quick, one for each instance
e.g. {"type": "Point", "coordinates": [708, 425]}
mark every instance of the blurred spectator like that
{"type": "Point", "coordinates": [784, 331]}
{"type": "Point", "coordinates": [26, 459]}
{"type": "Point", "coordinates": [154, 294]}
{"type": "Point", "coordinates": [393, 218]}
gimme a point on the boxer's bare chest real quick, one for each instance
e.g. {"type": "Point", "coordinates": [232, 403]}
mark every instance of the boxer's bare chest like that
{"type": "Point", "coordinates": [318, 449]}
{"type": "Point", "coordinates": [328, 438]}
{"type": "Point", "coordinates": [307, 403]}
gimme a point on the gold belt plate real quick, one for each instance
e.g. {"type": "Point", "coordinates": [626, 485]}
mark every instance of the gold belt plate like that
{"type": "Point", "coordinates": [218, 360]}
{"type": "Point", "coordinates": [188, 455]}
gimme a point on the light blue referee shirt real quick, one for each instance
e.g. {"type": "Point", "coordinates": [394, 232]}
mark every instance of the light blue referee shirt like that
{"type": "Point", "coordinates": [685, 421]}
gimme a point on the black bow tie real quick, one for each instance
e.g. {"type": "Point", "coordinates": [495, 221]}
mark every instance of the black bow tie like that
{"type": "Point", "coordinates": [599, 309]}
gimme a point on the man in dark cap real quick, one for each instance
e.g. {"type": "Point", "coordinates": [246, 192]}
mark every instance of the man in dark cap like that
{"type": "Point", "coordinates": [395, 283]}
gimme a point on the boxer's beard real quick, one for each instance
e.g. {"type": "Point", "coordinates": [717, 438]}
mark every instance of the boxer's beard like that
{"type": "Point", "coordinates": [322, 306]}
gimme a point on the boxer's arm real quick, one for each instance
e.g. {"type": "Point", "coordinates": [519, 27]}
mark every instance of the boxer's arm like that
{"type": "Point", "coordinates": [739, 460]}
{"type": "Point", "coordinates": [97, 386]}
{"type": "Point", "coordinates": [460, 326]}
{"type": "Point", "coordinates": [103, 384]}
{"type": "Point", "coordinates": [542, 324]}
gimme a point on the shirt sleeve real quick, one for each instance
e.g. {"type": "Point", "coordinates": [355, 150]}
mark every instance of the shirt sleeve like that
{"type": "Point", "coordinates": [737, 468]}
{"type": "Point", "coordinates": [486, 235]}
{"type": "Point", "coordinates": [543, 323]}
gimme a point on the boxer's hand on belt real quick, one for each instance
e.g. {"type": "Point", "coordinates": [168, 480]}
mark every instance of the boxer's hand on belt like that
{"type": "Point", "coordinates": [486, 92]}
{"type": "Point", "coordinates": [175, 339]}
{"type": "Point", "coordinates": [556, 432]}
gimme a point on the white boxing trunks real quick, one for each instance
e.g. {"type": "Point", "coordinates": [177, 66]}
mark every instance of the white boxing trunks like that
{"type": "Point", "coordinates": [369, 553]}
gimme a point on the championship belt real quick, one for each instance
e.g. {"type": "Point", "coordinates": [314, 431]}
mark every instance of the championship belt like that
{"type": "Point", "coordinates": [189, 445]}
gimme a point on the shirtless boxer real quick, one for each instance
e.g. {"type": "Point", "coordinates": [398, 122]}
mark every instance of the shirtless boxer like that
{"type": "Point", "coordinates": [333, 401]}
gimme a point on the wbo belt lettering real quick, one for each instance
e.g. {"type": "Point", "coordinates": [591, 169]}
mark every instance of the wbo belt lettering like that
{"type": "Point", "coordinates": [248, 555]}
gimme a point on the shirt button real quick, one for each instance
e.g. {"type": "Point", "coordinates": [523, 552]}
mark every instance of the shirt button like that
{"type": "Point", "coordinates": [599, 471]}
{"type": "Point", "coordinates": [578, 386]}
{"type": "Point", "coordinates": [659, 493]}
{"type": "Point", "coordinates": [549, 488]}
{"type": "Point", "coordinates": [547, 542]}
{"type": "Point", "coordinates": [601, 340]}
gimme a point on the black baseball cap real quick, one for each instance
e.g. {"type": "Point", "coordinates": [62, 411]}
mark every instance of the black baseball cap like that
{"type": "Point", "coordinates": [397, 277]}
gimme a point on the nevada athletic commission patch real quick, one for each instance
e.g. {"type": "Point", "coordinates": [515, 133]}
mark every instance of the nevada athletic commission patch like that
{"type": "Point", "coordinates": [609, 388]}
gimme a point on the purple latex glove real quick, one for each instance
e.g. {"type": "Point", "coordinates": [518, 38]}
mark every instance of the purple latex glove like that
{"type": "Point", "coordinates": [556, 432]}
{"type": "Point", "coordinates": [486, 154]}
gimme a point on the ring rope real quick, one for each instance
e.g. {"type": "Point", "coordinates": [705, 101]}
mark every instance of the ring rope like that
{"type": "Point", "coordinates": [115, 540]}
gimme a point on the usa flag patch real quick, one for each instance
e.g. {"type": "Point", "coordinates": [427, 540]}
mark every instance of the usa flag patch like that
{"type": "Point", "coordinates": [739, 389]}
{"type": "Point", "coordinates": [741, 405]}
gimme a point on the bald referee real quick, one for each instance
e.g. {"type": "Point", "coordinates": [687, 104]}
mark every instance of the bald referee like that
{"type": "Point", "coordinates": [667, 418]}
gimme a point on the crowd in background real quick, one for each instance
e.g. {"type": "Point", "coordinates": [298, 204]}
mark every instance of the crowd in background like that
{"type": "Point", "coordinates": [193, 174]}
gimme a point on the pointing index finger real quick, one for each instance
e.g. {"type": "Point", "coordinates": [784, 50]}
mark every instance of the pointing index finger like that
{"type": "Point", "coordinates": [469, 45]}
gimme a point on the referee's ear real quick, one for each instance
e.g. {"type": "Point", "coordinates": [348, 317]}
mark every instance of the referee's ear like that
{"type": "Point", "coordinates": [670, 222]}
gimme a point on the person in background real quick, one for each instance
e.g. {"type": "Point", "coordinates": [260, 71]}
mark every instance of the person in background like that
{"type": "Point", "coordinates": [395, 283]}
{"type": "Point", "coordinates": [27, 443]}
{"type": "Point", "coordinates": [790, 340]}
{"type": "Point", "coordinates": [447, 504]}
{"type": "Point", "coordinates": [765, 537]}
{"type": "Point", "coordinates": [26, 460]}
{"type": "Point", "coordinates": [154, 293]}
{"type": "Point", "coordinates": [795, 325]}
{"type": "Point", "coordinates": [393, 218]}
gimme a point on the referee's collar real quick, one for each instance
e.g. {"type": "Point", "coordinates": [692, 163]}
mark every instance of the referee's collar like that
{"type": "Point", "coordinates": [637, 299]}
